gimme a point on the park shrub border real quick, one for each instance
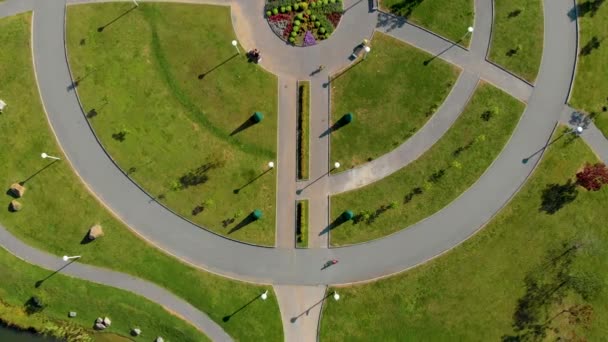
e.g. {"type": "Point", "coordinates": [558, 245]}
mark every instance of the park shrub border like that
{"type": "Point", "coordinates": [302, 224]}
{"type": "Point", "coordinates": [303, 128]}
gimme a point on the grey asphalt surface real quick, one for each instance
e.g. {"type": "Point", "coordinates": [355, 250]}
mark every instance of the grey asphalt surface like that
{"type": "Point", "coordinates": [123, 281]}
{"type": "Point", "coordinates": [400, 251]}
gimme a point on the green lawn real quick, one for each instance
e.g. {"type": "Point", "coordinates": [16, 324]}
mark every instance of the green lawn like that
{"type": "Point", "coordinates": [58, 211]}
{"type": "Point", "coordinates": [162, 123]}
{"type": "Point", "coordinates": [472, 292]}
{"type": "Point", "coordinates": [61, 294]}
{"type": "Point", "coordinates": [590, 91]}
{"type": "Point", "coordinates": [436, 178]}
{"type": "Point", "coordinates": [391, 95]}
{"type": "Point", "coordinates": [517, 36]}
{"type": "Point", "coordinates": [449, 18]}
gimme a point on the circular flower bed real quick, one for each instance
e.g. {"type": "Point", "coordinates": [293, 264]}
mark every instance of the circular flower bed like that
{"type": "Point", "coordinates": [303, 23]}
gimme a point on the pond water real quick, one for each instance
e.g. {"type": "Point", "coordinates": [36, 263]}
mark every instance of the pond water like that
{"type": "Point", "coordinates": [13, 335]}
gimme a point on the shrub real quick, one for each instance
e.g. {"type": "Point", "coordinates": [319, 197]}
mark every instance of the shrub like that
{"type": "Point", "coordinates": [282, 9]}
{"type": "Point", "coordinates": [300, 16]}
{"type": "Point", "coordinates": [268, 13]}
{"type": "Point", "coordinates": [332, 1]}
{"type": "Point", "coordinates": [292, 39]}
{"type": "Point", "coordinates": [325, 2]}
{"type": "Point", "coordinates": [593, 177]}
{"type": "Point", "coordinates": [304, 5]}
{"type": "Point", "coordinates": [297, 23]}
{"type": "Point", "coordinates": [288, 8]}
{"type": "Point", "coordinates": [296, 6]}
{"type": "Point", "coordinates": [275, 11]}
{"type": "Point", "coordinates": [309, 12]}
{"type": "Point", "coordinates": [322, 30]}
{"type": "Point", "coordinates": [313, 4]}
{"type": "Point", "coordinates": [317, 24]}
{"type": "Point", "coordinates": [294, 33]}
{"type": "Point", "coordinates": [313, 17]}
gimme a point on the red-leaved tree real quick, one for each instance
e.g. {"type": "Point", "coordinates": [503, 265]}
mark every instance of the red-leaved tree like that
{"type": "Point", "coordinates": [592, 177]}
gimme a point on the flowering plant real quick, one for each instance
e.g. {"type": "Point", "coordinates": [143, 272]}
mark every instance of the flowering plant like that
{"type": "Point", "coordinates": [309, 39]}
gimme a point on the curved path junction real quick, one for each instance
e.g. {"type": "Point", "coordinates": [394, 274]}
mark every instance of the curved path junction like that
{"type": "Point", "coordinates": [284, 264]}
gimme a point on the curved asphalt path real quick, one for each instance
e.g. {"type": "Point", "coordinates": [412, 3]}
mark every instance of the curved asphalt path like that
{"type": "Point", "coordinates": [401, 250]}
{"type": "Point", "coordinates": [119, 280]}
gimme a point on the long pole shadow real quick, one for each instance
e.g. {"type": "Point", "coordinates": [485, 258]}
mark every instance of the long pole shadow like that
{"type": "Point", "coordinates": [37, 172]}
{"type": "Point", "coordinates": [201, 76]}
{"type": "Point", "coordinates": [39, 282]}
{"type": "Point", "coordinates": [237, 190]}
{"type": "Point", "coordinates": [228, 317]}
{"type": "Point", "coordinates": [77, 81]}
{"type": "Point", "coordinates": [101, 28]}
{"type": "Point", "coordinates": [428, 61]}
{"type": "Point", "coordinates": [351, 6]}
{"type": "Point", "coordinates": [326, 84]}
{"type": "Point", "coordinates": [294, 319]}
{"type": "Point", "coordinates": [299, 191]}
{"type": "Point", "coordinates": [525, 160]}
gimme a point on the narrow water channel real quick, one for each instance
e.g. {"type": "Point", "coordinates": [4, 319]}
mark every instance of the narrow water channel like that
{"type": "Point", "coordinates": [12, 335]}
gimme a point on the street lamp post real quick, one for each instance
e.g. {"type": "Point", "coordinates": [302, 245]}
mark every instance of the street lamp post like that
{"type": "Point", "coordinates": [45, 156]}
{"type": "Point", "coordinates": [135, 2]}
{"type": "Point", "coordinates": [336, 296]}
{"type": "Point", "coordinates": [578, 130]}
{"type": "Point", "coordinates": [236, 46]}
{"type": "Point", "coordinates": [66, 258]}
{"type": "Point", "coordinates": [336, 165]}
{"type": "Point", "coordinates": [264, 295]}
{"type": "Point", "coordinates": [367, 50]}
{"type": "Point", "coordinates": [271, 165]}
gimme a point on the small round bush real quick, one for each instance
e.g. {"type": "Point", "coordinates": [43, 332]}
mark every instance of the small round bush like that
{"type": "Point", "coordinates": [317, 23]}
{"type": "Point", "coordinates": [313, 17]}
{"type": "Point", "coordinates": [296, 23]}
{"type": "Point", "coordinates": [300, 16]}
{"type": "Point", "coordinates": [322, 30]}
{"type": "Point", "coordinates": [289, 8]}
{"type": "Point", "coordinates": [292, 39]}
{"type": "Point", "coordinates": [313, 4]}
{"type": "Point", "coordinates": [325, 2]}
{"type": "Point", "coordinates": [304, 5]}
{"type": "Point", "coordinates": [275, 10]}
{"type": "Point", "coordinates": [308, 12]}
{"type": "Point", "coordinates": [268, 13]}
{"type": "Point", "coordinates": [282, 9]}
{"type": "Point", "coordinates": [296, 6]}
{"type": "Point", "coordinates": [332, 1]}
{"type": "Point", "coordinates": [294, 33]}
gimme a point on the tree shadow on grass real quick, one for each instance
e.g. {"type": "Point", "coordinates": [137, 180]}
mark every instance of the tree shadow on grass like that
{"type": "Point", "coordinates": [591, 45]}
{"type": "Point", "coordinates": [248, 123]}
{"type": "Point", "coordinates": [589, 7]}
{"type": "Point", "coordinates": [405, 8]}
{"type": "Point", "coordinates": [101, 28]}
{"type": "Point", "coordinates": [245, 222]}
{"type": "Point", "coordinates": [556, 196]}
{"type": "Point", "coordinates": [336, 223]}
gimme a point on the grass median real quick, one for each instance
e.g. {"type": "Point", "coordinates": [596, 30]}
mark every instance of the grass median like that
{"type": "Point", "coordinates": [436, 178]}
{"type": "Point", "coordinates": [449, 18]}
{"type": "Point", "coordinates": [303, 128]}
{"type": "Point", "coordinates": [590, 92]}
{"type": "Point", "coordinates": [527, 276]}
{"type": "Point", "coordinates": [57, 209]}
{"type": "Point", "coordinates": [173, 103]}
{"type": "Point", "coordinates": [517, 36]}
{"type": "Point", "coordinates": [391, 94]}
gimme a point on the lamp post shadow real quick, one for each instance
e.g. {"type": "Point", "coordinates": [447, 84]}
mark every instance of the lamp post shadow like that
{"type": "Point", "coordinates": [41, 281]}
{"type": "Point", "coordinates": [237, 190]}
{"type": "Point", "coordinates": [101, 28]}
{"type": "Point", "coordinates": [228, 317]}
{"type": "Point", "coordinates": [294, 319]}
{"type": "Point", "coordinates": [201, 76]}
{"type": "Point", "coordinates": [37, 172]}
{"type": "Point", "coordinates": [525, 160]}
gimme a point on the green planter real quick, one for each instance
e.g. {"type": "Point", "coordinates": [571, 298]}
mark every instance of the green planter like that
{"type": "Point", "coordinates": [257, 117]}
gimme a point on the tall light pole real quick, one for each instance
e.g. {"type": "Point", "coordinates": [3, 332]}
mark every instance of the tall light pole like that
{"type": "Point", "coordinates": [271, 165]}
{"type": "Point", "coordinates": [367, 50]}
{"type": "Point", "coordinates": [135, 2]}
{"type": "Point", "coordinates": [578, 130]}
{"type": "Point", "coordinates": [236, 46]}
{"type": "Point", "coordinates": [264, 295]}
{"type": "Point", "coordinates": [336, 296]}
{"type": "Point", "coordinates": [66, 258]}
{"type": "Point", "coordinates": [45, 156]}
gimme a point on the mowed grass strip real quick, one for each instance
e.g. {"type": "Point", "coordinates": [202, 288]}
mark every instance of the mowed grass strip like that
{"type": "Point", "coordinates": [172, 101]}
{"type": "Point", "coordinates": [302, 224]}
{"type": "Point", "coordinates": [590, 91]}
{"type": "Point", "coordinates": [511, 269]}
{"type": "Point", "coordinates": [391, 94]}
{"type": "Point", "coordinates": [448, 18]}
{"type": "Point", "coordinates": [436, 178]}
{"type": "Point", "coordinates": [303, 128]}
{"type": "Point", "coordinates": [517, 36]}
{"type": "Point", "coordinates": [61, 294]}
{"type": "Point", "coordinates": [58, 211]}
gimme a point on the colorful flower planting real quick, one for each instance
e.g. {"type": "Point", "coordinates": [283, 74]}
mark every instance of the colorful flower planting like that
{"type": "Point", "coordinates": [303, 23]}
